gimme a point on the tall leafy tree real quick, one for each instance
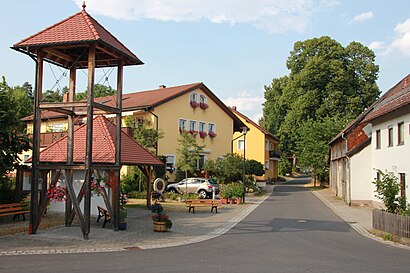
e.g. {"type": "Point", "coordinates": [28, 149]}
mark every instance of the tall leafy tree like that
{"type": "Point", "coordinates": [188, 152]}
{"type": "Point", "coordinates": [328, 86]}
{"type": "Point", "coordinates": [12, 141]}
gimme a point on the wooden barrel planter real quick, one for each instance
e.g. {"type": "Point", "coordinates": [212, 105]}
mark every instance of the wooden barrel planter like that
{"type": "Point", "coordinates": [159, 227]}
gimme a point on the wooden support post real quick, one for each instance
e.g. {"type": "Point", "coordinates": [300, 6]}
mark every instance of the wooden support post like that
{"type": "Point", "coordinates": [76, 205]}
{"type": "Point", "coordinates": [117, 191]}
{"type": "Point", "coordinates": [36, 143]}
{"type": "Point", "coordinates": [44, 202]}
{"type": "Point", "coordinates": [70, 141]}
{"type": "Point", "coordinates": [89, 140]}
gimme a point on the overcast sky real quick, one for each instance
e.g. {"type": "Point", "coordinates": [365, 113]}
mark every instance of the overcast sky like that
{"type": "Point", "coordinates": [234, 46]}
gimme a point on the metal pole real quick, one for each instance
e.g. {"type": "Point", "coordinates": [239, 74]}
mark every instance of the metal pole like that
{"type": "Point", "coordinates": [244, 161]}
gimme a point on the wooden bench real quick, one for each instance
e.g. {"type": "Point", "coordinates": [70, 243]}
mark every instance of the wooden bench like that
{"type": "Point", "coordinates": [14, 209]}
{"type": "Point", "coordinates": [191, 204]}
{"type": "Point", "coordinates": [103, 213]}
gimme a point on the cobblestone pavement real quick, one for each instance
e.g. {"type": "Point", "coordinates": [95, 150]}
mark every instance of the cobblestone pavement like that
{"type": "Point", "coordinates": [187, 228]}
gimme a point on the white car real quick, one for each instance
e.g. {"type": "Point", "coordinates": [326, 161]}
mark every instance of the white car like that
{"type": "Point", "coordinates": [204, 187]}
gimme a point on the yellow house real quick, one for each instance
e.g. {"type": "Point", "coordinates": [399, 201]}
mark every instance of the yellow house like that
{"type": "Point", "coordinates": [257, 144]}
{"type": "Point", "coordinates": [192, 107]}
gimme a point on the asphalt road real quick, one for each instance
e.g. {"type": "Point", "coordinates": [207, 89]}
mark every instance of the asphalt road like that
{"type": "Point", "coordinates": [292, 231]}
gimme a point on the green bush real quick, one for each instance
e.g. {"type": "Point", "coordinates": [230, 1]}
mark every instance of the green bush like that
{"type": "Point", "coordinates": [231, 190]}
{"type": "Point", "coordinates": [387, 189]}
{"type": "Point", "coordinates": [7, 188]}
{"type": "Point", "coordinates": [129, 183]}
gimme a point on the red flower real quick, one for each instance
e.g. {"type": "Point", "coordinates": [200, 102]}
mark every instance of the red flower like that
{"type": "Point", "coordinates": [203, 134]}
{"type": "Point", "coordinates": [194, 104]}
{"type": "Point", "coordinates": [212, 134]}
{"type": "Point", "coordinates": [203, 105]}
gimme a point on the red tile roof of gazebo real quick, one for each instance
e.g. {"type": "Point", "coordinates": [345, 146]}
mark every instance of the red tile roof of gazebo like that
{"type": "Point", "coordinates": [104, 134]}
{"type": "Point", "coordinates": [79, 28]}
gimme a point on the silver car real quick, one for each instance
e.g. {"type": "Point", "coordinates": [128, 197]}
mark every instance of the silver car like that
{"type": "Point", "coordinates": [202, 186]}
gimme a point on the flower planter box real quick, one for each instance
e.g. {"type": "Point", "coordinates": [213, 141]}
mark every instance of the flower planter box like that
{"type": "Point", "coordinates": [224, 200]}
{"type": "Point", "coordinates": [159, 227]}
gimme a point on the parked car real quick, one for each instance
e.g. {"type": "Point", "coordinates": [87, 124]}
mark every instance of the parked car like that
{"type": "Point", "coordinates": [202, 186]}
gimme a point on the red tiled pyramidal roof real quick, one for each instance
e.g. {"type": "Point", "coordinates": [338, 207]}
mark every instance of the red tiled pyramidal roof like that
{"type": "Point", "coordinates": [78, 29]}
{"type": "Point", "coordinates": [104, 133]}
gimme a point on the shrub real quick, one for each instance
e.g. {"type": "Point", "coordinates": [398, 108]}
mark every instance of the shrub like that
{"type": "Point", "coordinates": [7, 187]}
{"type": "Point", "coordinates": [387, 189]}
{"type": "Point", "coordinates": [129, 183]}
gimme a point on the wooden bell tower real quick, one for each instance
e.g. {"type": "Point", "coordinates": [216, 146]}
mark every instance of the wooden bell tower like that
{"type": "Point", "coordinates": [78, 42]}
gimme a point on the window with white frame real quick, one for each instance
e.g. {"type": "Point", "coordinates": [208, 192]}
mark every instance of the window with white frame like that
{"type": "Point", "coordinates": [182, 125]}
{"type": "Point", "coordinates": [170, 165]}
{"type": "Point", "coordinates": [192, 126]}
{"type": "Point", "coordinates": [202, 99]}
{"type": "Point", "coordinates": [202, 126]}
{"type": "Point", "coordinates": [378, 139]}
{"type": "Point", "coordinates": [211, 128]}
{"type": "Point", "coordinates": [200, 162]}
{"type": "Point", "coordinates": [193, 97]}
{"type": "Point", "coordinates": [390, 136]}
{"type": "Point", "coordinates": [400, 136]}
{"type": "Point", "coordinates": [241, 144]}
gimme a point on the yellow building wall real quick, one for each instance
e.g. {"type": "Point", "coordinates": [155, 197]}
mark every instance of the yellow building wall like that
{"type": "Point", "coordinates": [256, 149]}
{"type": "Point", "coordinates": [168, 119]}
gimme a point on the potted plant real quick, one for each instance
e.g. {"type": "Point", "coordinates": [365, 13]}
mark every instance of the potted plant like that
{"type": "Point", "coordinates": [123, 217]}
{"type": "Point", "coordinates": [226, 193]}
{"type": "Point", "coordinates": [161, 221]}
{"type": "Point", "coordinates": [123, 212]}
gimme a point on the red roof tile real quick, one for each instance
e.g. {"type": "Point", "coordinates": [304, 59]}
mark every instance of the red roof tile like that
{"type": "Point", "coordinates": [79, 28]}
{"type": "Point", "coordinates": [397, 97]}
{"type": "Point", "coordinates": [104, 133]}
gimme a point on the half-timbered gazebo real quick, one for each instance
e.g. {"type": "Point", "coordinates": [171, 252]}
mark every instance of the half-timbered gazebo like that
{"type": "Point", "coordinates": [78, 42]}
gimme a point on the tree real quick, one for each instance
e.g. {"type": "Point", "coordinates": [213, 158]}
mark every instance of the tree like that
{"type": "Point", "coordinates": [12, 141]}
{"type": "Point", "coordinates": [188, 152]}
{"type": "Point", "coordinates": [328, 85]}
{"type": "Point", "coordinates": [229, 168]}
{"type": "Point", "coordinates": [144, 134]}
{"type": "Point", "coordinates": [254, 167]}
{"type": "Point", "coordinates": [99, 91]}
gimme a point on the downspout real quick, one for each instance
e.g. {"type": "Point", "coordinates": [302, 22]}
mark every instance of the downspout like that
{"type": "Point", "coordinates": [156, 128]}
{"type": "Point", "coordinates": [348, 173]}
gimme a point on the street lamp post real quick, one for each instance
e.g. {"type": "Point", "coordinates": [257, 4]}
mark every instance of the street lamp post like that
{"type": "Point", "coordinates": [244, 131]}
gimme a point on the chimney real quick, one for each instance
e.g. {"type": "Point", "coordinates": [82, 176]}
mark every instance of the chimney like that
{"type": "Point", "coordinates": [162, 86]}
{"type": "Point", "coordinates": [233, 107]}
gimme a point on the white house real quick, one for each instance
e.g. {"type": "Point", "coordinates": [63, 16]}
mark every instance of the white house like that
{"type": "Point", "coordinates": [379, 139]}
